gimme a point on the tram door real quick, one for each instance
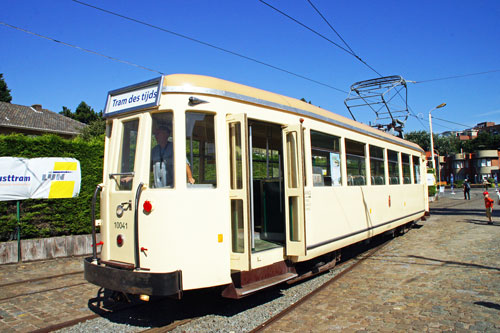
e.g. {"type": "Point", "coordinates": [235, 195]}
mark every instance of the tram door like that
{"type": "Point", "coordinates": [239, 191]}
{"type": "Point", "coordinates": [123, 185]}
{"type": "Point", "coordinates": [294, 190]}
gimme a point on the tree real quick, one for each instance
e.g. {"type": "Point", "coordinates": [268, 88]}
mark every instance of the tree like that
{"type": "Point", "coordinates": [94, 129]}
{"type": "Point", "coordinates": [66, 112]}
{"type": "Point", "coordinates": [483, 141]}
{"type": "Point", "coordinates": [421, 138]}
{"type": "Point", "coordinates": [83, 113]}
{"type": "Point", "coordinates": [443, 144]}
{"type": "Point", "coordinates": [4, 91]}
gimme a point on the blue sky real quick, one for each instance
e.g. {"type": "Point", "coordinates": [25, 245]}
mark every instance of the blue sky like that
{"type": "Point", "coordinates": [419, 40]}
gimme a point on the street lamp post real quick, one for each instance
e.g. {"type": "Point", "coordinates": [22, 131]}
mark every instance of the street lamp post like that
{"type": "Point", "coordinates": [430, 128]}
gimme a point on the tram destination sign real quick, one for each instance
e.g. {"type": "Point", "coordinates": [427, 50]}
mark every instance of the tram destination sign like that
{"type": "Point", "coordinates": [138, 96]}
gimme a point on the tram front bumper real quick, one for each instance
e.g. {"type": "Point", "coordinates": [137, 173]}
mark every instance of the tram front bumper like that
{"type": "Point", "coordinates": [133, 282]}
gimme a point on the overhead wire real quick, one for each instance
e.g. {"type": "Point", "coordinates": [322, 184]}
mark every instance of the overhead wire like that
{"type": "Point", "coordinates": [351, 50]}
{"type": "Point", "coordinates": [451, 122]}
{"type": "Point", "coordinates": [80, 48]}
{"type": "Point", "coordinates": [321, 35]}
{"type": "Point", "coordinates": [456, 76]}
{"type": "Point", "coordinates": [208, 44]}
{"type": "Point", "coordinates": [331, 27]}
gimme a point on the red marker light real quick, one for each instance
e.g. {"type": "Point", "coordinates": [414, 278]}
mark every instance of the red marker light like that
{"type": "Point", "coordinates": [119, 240]}
{"type": "Point", "coordinates": [148, 207]}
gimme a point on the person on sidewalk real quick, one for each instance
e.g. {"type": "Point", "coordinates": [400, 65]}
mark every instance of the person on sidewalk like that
{"type": "Point", "coordinates": [466, 189]}
{"type": "Point", "coordinates": [486, 183]}
{"type": "Point", "coordinates": [488, 203]}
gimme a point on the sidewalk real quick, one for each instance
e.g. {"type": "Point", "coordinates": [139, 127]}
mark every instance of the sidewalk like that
{"type": "Point", "coordinates": [443, 276]}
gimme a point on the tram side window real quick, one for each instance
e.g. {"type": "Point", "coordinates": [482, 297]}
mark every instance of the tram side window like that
{"type": "Point", "coordinates": [325, 152]}
{"type": "Point", "coordinates": [200, 149]}
{"type": "Point", "coordinates": [406, 168]}
{"type": "Point", "coordinates": [416, 169]}
{"type": "Point", "coordinates": [393, 159]}
{"type": "Point", "coordinates": [356, 163]}
{"type": "Point", "coordinates": [162, 152]}
{"type": "Point", "coordinates": [377, 165]}
{"type": "Point", "coordinates": [127, 155]}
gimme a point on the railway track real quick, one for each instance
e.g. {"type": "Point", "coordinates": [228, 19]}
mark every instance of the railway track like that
{"type": "Point", "coordinates": [350, 257]}
{"type": "Point", "coordinates": [194, 306]}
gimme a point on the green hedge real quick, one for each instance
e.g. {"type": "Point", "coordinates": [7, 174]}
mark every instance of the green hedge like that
{"type": "Point", "coordinates": [53, 217]}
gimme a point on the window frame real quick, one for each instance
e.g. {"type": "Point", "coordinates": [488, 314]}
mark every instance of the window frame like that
{"type": "Point", "coordinates": [360, 158]}
{"type": "Point", "coordinates": [378, 159]}
{"type": "Point", "coordinates": [319, 151]}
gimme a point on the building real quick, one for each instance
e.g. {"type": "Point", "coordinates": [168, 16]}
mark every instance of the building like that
{"type": "Point", "coordinates": [474, 166]}
{"type": "Point", "coordinates": [488, 127]}
{"type": "Point", "coordinates": [34, 120]}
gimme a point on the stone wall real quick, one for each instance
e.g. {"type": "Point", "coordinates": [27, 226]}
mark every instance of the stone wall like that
{"type": "Point", "coordinates": [47, 248]}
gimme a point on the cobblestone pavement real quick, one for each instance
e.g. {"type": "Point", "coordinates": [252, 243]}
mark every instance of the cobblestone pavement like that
{"type": "Point", "coordinates": [444, 276]}
{"type": "Point", "coordinates": [25, 307]}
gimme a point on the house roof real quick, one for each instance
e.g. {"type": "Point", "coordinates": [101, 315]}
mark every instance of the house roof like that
{"type": "Point", "coordinates": [34, 118]}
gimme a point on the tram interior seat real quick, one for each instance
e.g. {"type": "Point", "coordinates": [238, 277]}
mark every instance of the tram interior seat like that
{"type": "Point", "coordinates": [356, 180]}
{"type": "Point", "coordinates": [394, 180]}
{"type": "Point", "coordinates": [378, 180]}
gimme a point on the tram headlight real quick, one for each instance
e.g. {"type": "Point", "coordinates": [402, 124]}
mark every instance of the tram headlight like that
{"type": "Point", "coordinates": [119, 240]}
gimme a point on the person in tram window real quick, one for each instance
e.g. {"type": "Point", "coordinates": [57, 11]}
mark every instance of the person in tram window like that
{"type": "Point", "coordinates": [162, 157]}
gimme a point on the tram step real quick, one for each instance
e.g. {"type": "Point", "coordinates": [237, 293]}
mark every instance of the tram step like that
{"type": "Point", "coordinates": [232, 292]}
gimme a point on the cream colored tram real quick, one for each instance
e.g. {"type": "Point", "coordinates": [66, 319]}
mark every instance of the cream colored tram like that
{"type": "Point", "coordinates": [276, 182]}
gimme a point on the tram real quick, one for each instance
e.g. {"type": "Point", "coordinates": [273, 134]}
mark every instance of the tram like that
{"type": "Point", "coordinates": [209, 183]}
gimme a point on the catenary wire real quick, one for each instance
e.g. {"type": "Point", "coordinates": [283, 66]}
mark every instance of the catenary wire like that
{"type": "Point", "coordinates": [457, 76]}
{"type": "Point", "coordinates": [352, 52]}
{"type": "Point", "coordinates": [80, 48]}
{"type": "Point", "coordinates": [331, 27]}
{"type": "Point", "coordinates": [451, 122]}
{"type": "Point", "coordinates": [308, 28]}
{"type": "Point", "coordinates": [209, 45]}
{"type": "Point", "coordinates": [320, 35]}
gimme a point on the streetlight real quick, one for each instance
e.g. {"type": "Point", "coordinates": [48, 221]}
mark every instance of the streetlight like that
{"type": "Point", "coordinates": [430, 128]}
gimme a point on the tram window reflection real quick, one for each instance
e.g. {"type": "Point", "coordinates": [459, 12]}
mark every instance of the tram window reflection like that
{"type": "Point", "coordinates": [127, 154]}
{"type": "Point", "coordinates": [416, 169]}
{"type": "Point", "coordinates": [356, 163]}
{"type": "Point", "coordinates": [393, 163]}
{"type": "Point", "coordinates": [200, 149]}
{"type": "Point", "coordinates": [377, 172]}
{"type": "Point", "coordinates": [406, 168]}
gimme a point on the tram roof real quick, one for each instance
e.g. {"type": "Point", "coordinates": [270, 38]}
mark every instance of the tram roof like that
{"type": "Point", "coordinates": [190, 83]}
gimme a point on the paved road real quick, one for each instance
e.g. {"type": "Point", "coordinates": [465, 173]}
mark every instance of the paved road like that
{"type": "Point", "coordinates": [444, 276]}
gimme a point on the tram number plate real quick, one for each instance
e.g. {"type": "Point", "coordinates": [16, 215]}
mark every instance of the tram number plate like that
{"type": "Point", "coordinates": [120, 225]}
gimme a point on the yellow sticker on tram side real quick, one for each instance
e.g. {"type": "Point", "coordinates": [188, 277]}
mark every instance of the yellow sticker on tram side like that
{"type": "Point", "coordinates": [65, 166]}
{"type": "Point", "coordinates": [61, 189]}
{"type": "Point", "coordinates": [220, 238]}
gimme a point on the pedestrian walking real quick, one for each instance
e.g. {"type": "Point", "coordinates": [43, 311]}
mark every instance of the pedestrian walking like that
{"type": "Point", "coordinates": [466, 186]}
{"type": "Point", "coordinates": [486, 183]}
{"type": "Point", "coordinates": [488, 203]}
